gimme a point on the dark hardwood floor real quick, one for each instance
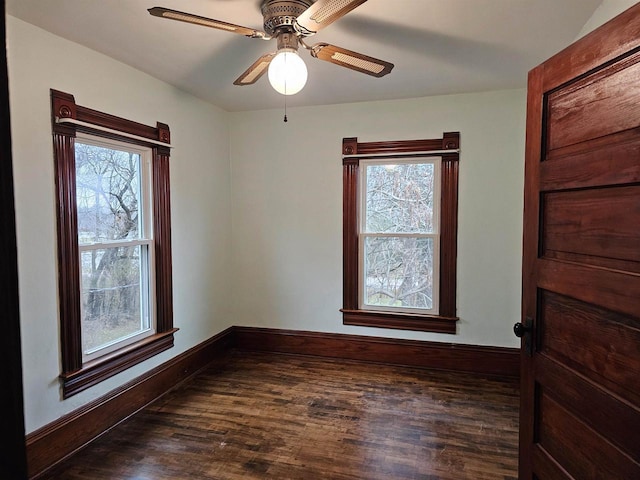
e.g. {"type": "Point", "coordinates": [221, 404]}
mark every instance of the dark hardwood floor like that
{"type": "Point", "coordinates": [261, 415]}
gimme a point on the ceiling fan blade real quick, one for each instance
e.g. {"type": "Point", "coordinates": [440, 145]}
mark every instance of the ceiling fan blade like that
{"type": "Point", "coordinates": [323, 13]}
{"type": "Point", "coordinates": [206, 22]}
{"type": "Point", "coordinates": [353, 60]}
{"type": "Point", "coordinates": [255, 71]}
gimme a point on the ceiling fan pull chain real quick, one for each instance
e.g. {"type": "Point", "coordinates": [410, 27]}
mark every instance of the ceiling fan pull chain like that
{"type": "Point", "coordinates": [285, 109]}
{"type": "Point", "coordinates": [285, 96]}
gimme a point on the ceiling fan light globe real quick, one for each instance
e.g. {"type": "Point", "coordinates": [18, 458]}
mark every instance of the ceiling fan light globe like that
{"type": "Point", "coordinates": [287, 72]}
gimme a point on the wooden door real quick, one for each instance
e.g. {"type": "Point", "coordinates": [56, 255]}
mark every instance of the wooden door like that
{"type": "Point", "coordinates": [580, 407]}
{"type": "Point", "coordinates": [13, 462]}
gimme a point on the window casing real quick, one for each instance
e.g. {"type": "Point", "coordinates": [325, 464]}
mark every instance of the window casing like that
{"type": "Point", "coordinates": [399, 255]}
{"type": "Point", "coordinates": [114, 242]}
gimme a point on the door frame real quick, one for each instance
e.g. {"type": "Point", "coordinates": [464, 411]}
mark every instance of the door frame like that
{"type": "Point", "coordinates": [13, 461]}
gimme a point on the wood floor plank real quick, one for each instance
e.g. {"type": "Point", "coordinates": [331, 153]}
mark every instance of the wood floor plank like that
{"type": "Point", "coordinates": [270, 416]}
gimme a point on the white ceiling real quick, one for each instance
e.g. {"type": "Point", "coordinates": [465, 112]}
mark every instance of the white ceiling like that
{"type": "Point", "coordinates": [438, 46]}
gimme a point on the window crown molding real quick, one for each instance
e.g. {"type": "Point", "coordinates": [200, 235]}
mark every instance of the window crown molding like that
{"type": "Point", "coordinates": [63, 106]}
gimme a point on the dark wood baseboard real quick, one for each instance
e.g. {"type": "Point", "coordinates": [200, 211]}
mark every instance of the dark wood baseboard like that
{"type": "Point", "coordinates": [442, 356]}
{"type": "Point", "coordinates": [57, 440]}
{"type": "Point", "coordinates": [61, 438]}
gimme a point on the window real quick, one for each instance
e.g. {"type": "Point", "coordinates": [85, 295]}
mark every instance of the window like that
{"type": "Point", "coordinates": [115, 239]}
{"type": "Point", "coordinates": [398, 235]}
{"type": "Point", "coordinates": [400, 229]}
{"type": "Point", "coordinates": [114, 245]}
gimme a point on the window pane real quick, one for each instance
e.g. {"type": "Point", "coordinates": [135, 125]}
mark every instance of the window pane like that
{"type": "Point", "coordinates": [399, 198]}
{"type": "Point", "coordinates": [399, 272]}
{"type": "Point", "coordinates": [112, 286]}
{"type": "Point", "coordinates": [107, 193]}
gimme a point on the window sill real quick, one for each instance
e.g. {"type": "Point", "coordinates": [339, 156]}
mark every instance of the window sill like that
{"type": "Point", "coordinates": [96, 371]}
{"type": "Point", "coordinates": [400, 321]}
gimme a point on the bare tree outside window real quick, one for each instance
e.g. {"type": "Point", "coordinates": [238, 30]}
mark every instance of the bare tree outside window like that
{"type": "Point", "coordinates": [108, 192]}
{"type": "Point", "coordinates": [112, 257]}
{"type": "Point", "coordinates": [399, 235]}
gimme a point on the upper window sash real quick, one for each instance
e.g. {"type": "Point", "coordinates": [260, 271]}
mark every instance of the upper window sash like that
{"type": "Point", "coordinates": [362, 193]}
{"type": "Point", "coordinates": [145, 215]}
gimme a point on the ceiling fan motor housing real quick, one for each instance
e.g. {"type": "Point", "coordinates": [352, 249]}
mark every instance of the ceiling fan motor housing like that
{"type": "Point", "coordinates": [279, 15]}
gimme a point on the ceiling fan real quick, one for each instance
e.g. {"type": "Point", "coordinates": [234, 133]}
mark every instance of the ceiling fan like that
{"type": "Point", "coordinates": [290, 22]}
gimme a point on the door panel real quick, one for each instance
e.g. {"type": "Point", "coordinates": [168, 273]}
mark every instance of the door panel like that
{"type": "Point", "coordinates": [580, 394]}
{"type": "Point", "coordinates": [581, 451]}
{"type": "Point", "coordinates": [601, 223]}
{"type": "Point", "coordinates": [591, 285]}
{"type": "Point", "coordinates": [601, 104]}
{"type": "Point", "coordinates": [613, 419]}
{"type": "Point", "coordinates": [613, 341]}
{"type": "Point", "coordinates": [590, 165]}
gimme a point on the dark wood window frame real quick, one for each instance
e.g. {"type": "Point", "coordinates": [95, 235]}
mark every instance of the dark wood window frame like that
{"type": "Point", "coordinates": [447, 148]}
{"type": "Point", "coordinates": [76, 375]}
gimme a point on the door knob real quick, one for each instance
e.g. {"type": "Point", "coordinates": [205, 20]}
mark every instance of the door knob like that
{"type": "Point", "coordinates": [520, 329]}
{"type": "Point", "coordinates": [525, 330]}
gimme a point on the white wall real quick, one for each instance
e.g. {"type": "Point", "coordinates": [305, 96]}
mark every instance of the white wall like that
{"type": "Point", "coordinates": [605, 12]}
{"type": "Point", "coordinates": [200, 210]}
{"type": "Point", "coordinates": [287, 210]}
